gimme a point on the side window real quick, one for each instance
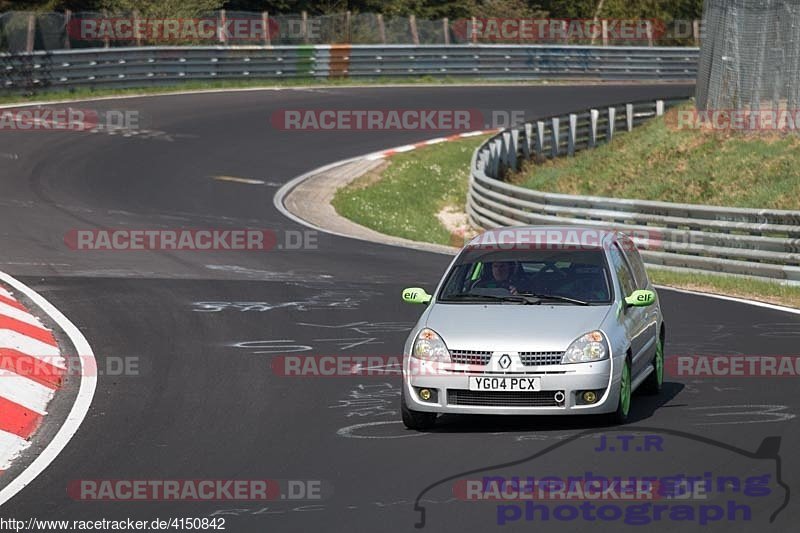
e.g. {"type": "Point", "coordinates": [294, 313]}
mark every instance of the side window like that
{"type": "Point", "coordinates": [620, 266]}
{"type": "Point", "coordinates": [636, 263]}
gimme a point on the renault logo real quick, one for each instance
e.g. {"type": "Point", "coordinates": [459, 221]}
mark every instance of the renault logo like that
{"type": "Point", "coordinates": [504, 361]}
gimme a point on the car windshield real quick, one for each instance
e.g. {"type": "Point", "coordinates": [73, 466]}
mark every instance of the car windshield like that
{"type": "Point", "coordinates": [570, 277]}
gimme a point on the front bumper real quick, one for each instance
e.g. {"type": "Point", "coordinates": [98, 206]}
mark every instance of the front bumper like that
{"type": "Point", "coordinates": [450, 383]}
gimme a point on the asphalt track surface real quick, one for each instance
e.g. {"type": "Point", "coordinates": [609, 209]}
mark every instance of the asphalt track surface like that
{"type": "Point", "coordinates": [206, 404]}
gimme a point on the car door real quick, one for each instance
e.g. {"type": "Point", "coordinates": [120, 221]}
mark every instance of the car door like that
{"type": "Point", "coordinates": [652, 312]}
{"type": "Point", "coordinates": [634, 319]}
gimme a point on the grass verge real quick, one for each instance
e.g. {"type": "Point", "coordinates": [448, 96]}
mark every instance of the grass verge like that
{"type": "Point", "coordinates": [405, 196]}
{"type": "Point", "coordinates": [659, 161]}
{"type": "Point", "coordinates": [752, 289]}
{"type": "Point", "coordinates": [413, 188]}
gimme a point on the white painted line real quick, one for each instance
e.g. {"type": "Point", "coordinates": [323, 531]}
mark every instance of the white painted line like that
{"type": "Point", "coordinates": [478, 133]}
{"type": "Point", "coordinates": [19, 314]}
{"type": "Point", "coordinates": [10, 447]}
{"type": "Point", "coordinates": [406, 148]}
{"type": "Point", "coordinates": [17, 341]}
{"type": "Point", "coordinates": [5, 293]}
{"type": "Point", "coordinates": [83, 399]}
{"type": "Point", "coordinates": [25, 392]}
{"type": "Point", "coordinates": [247, 181]}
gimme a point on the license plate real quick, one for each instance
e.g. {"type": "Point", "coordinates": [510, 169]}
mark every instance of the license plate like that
{"type": "Point", "coordinates": [504, 384]}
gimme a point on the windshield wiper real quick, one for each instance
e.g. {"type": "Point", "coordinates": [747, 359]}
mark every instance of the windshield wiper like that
{"type": "Point", "coordinates": [556, 297]}
{"type": "Point", "coordinates": [518, 298]}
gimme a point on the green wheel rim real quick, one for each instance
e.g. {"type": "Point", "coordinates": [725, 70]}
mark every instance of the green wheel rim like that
{"type": "Point", "coordinates": [660, 362]}
{"type": "Point", "coordinates": [625, 389]}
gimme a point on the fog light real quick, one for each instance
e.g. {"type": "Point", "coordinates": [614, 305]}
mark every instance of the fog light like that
{"type": "Point", "coordinates": [425, 394]}
{"type": "Point", "coordinates": [589, 396]}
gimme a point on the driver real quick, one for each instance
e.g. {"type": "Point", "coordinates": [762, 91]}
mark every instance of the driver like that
{"type": "Point", "coordinates": [502, 277]}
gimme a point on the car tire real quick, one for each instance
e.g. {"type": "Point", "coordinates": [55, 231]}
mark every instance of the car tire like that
{"type": "Point", "coordinates": [415, 420]}
{"type": "Point", "coordinates": [620, 416]}
{"type": "Point", "coordinates": [654, 382]}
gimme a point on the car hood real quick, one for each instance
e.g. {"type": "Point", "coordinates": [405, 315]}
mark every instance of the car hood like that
{"type": "Point", "coordinates": [510, 327]}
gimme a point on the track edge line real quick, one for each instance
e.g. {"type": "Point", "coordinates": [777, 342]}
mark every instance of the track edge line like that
{"type": "Point", "coordinates": [80, 406]}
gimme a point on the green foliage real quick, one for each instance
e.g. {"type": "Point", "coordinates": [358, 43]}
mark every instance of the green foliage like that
{"type": "Point", "coordinates": [431, 9]}
{"type": "Point", "coordinates": [162, 8]}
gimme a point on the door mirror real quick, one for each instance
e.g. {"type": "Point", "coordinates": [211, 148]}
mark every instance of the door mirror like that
{"type": "Point", "coordinates": [640, 298]}
{"type": "Point", "coordinates": [415, 295]}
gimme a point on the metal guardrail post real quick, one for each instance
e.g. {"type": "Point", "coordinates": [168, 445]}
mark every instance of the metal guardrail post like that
{"type": "Point", "coordinates": [526, 146]}
{"type": "Point", "coordinates": [612, 117]}
{"type": "Point", "coordinates": [659, 107]}
{"type": "Point", "coordinates": [539, 137]}
{"type": "Point", "coordinates": [573, 126]}
{"type": "Point", "coordinates": [629, 116]}
{"type": "Point", "coordinates": [496, 150]}
{"type": "Point", "coordinates": [556, 137]}
{"type": "Point", "coordinates": [513, 149]}
{"type": "Point", "coordinates": [594, 114]}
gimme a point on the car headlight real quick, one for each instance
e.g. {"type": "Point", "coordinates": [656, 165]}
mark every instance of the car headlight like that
{"type": "Point", "coordinates": [430, 347]}
{"type": "Point", "coordinates": [587, 348]}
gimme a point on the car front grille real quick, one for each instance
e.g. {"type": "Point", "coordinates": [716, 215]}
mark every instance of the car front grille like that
{"type": "Point", "coordinates": [477, 357]}
{"type": "Point", "coordinates": [502, 398]}
{"type": "Point", "coordinates": [470, 357]}
{"type": "Point", "coordinates": [541, 358]}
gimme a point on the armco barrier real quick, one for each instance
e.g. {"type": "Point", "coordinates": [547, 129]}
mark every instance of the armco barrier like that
{"type": "Point", "coordinates": [142, 66]}
{"type": "Point", "coordinates": [762, 243]}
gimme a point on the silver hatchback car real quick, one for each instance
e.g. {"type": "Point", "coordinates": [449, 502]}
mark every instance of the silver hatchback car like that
{"type": "Point", "coordinates": [535, 320]}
